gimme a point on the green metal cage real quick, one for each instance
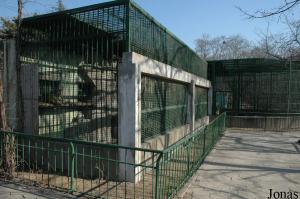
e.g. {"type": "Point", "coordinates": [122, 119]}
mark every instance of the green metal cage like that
{"type": "Point", "coordinates": [201, 105]}
{"type": "Point", "coordinates": [255, 86]}
{"type": "Point", "coordinates": [77, 53]}
{"type": "Point", "coordinates": [164, 106]}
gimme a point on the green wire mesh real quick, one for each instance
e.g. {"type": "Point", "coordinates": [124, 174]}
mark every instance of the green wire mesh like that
{"type": "Point", "coordinates": [149, 38]}
{"type": "Point", "coordinates": [256, 86]}
{"type": "Point", "coordinates": [76, 54]}
{"type": "Point", "coordinates": [200, 103]}
{"type": "Point", "coordinates": [164, 106]}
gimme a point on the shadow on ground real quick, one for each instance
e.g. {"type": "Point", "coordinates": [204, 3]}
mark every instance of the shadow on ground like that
{"type": "Point", "coordinates": [246, 165]}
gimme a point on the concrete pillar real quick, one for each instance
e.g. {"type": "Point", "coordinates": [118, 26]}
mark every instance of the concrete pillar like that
{"type": "Point", "coordinates": [129, 106]}
{"type": "Point", "coordinates": [129, 117]}
{"type": "Point", "coordinates": [191, 105]}
{"type": "Point", "coordinates": [9, 78]}
{"type": "Point", "coordinates": [30, 97]}
{"type": "Point", "coordinates": [29, 87]}
{"type": "Point", "coordinates": [210, 101]}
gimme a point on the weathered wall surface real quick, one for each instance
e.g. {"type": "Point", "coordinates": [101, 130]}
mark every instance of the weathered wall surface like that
{"type": "Point", "coordinates": [268, 123]}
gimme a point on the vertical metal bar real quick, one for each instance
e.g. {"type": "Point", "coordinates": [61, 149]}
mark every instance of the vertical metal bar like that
{"type": "Point", "coordinates": [48, 164]}
{"type": "Point", "coordinates": [128, 26]}
{"type": "Point", "coordinates": [188, 158]}
{"type": "Point", "coordinates": [72, 167]}
{"type": "Point", "coordinates": [83, 167]}
{"type": "Point", "coordinates": [157, 176]}
{"type": "Point", "coordinates": [91, 169]}
{"type": "Point", "coordinates": [29, 163]}
{"type": "Point", "coordinates": [204, 142]}
{"type": "Point", "coordinates": [108, 172]}
{"type": "Point", "coordinates": [62, 166]}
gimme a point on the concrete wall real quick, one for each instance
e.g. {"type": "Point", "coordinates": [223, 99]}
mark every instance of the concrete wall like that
{"type": "Point", "coordinates": [30, 97]}
{"type": "Point", "coordinates": [9, 78]}
{"type": "Point", "coordinates": [133, 66]}
{"type": "Point", "coordinates": [267, 123]}
{"type": "Point", "coordinates": [163, 141]}
{"type": "Point", "coordinates": [29, 87]}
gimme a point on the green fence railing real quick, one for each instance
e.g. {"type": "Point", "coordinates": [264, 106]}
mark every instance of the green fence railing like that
{"type": "Point", "coordinates": [181, 160]}
{"type": "Point", "coordinates": [92, 169]}
{"type": "Point", "coordinates": [81, 168]}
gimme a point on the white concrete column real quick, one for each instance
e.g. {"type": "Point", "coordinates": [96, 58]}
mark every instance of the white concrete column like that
{"type": "Point", "coordinates": [129, 117]}
{"type": "Point", "coordinates": [129, 106]}
{"type": "Point", "coordinates": [210, 101]}
{"type": "Point", "coordinates": [191, 105]}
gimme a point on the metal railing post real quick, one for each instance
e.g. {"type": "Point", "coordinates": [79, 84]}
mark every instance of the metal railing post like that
{"type": "Point", "coordinates": [71, 188]}
{"type": "Point", "coordinates": [157, 173]}
{"type": "Point", "coordinates": [189, 158]}
{"type": "Point", "coordinates": [204, 138]}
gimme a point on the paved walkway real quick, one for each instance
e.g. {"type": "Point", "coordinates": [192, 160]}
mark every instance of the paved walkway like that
{"type": "Point", "coordinates": [246, 165]}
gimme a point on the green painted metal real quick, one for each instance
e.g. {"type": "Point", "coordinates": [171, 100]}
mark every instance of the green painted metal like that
{"type": "Point", "coordinates": [72, 188]}
{"type": "Point", "coordinates": [255, 86]}
{"type": "Point", "coordinates": [164, 106]}
{"type": "Point", "coordinates": [78, 52]}
{"type": "Point", "coordinates": [93, 169]}
{"type": "Point", "coordinates": [150, 38]}
{"type": "Point", "coordinates": [182, 159]}
{"type": "Point", "coordinates": [201, 104]}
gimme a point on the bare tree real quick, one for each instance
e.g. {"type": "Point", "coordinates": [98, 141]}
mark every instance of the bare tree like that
{"type": "Point", "coordinates": [8, 163]}
{"type": "Point", "coordinates": [286, 5]}
{"type": "Point", "coordinates": [284, 45]}
{"type": "Point", "coordinates": [59, 6]}
{"type": "Point", "coordinates": [223, 47]}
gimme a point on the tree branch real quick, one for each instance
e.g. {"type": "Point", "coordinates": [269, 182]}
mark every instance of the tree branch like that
{"type": "Point", "coordinates": [277, 11]}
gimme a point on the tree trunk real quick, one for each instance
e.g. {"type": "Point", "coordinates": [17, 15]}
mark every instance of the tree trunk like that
{"type": "Point", "coordinates": [8, 141]}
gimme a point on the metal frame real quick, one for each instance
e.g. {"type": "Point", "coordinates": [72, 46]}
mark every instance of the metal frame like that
{"type": "Point", "coordinates": [258, 86]}
{"type": "Point", "coordinates": [84, 48]}
{"type": "Point", "coordinates": [84, 168]}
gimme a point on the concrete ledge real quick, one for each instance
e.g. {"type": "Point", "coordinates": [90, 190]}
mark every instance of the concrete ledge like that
{"type": "Point", "coordinates": [152, 67]}
{"type": "Point", "coordinates": [267, 123]}
{"type": "Point", "coordinates": [162, 141]}
{"type": "Point", "coordinates": [202, 122]}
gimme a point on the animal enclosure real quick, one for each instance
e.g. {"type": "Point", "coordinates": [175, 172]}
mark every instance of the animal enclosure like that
{"type": "Point", "coordinates": [74, 56]}
{"type": "Point", "coordinates": [255, 86]}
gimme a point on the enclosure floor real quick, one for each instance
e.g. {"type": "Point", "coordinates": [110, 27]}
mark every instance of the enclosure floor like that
{"type": "Point", "coordinates": [246, 164]}
{"type": "Point", "coordinates": [90, 188]}
{"type": "Point", "coordinates": [10, 190]}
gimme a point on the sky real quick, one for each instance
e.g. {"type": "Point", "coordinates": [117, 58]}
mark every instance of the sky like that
{"type": "Point", "coordinates": [187, 19]}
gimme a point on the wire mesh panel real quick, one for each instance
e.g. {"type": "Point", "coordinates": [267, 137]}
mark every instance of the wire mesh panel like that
{"type": "Point", "coordinates": [164, 106]}
{"type": "Point", "coordinates": [81, 168]}
{"type": "Point", "coordinates": [200, 103]}
{"type": "Point", "coordinates": [149, 38]}
{"type": "Point", "coordinates": [77, 53]}
{"type": "Point", "coordinates": [256, 86]}
{"type": "Point", "coordinates": [181, 160]}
